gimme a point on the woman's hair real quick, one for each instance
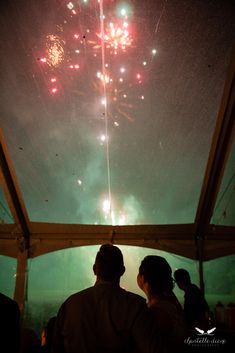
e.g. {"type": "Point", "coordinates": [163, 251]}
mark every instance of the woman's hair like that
{"type": "Point", "coordinates": [157, 272]}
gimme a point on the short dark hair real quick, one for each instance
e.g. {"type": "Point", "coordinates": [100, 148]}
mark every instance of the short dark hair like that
{"type": "Point", "coordinates": [109, 263]}
{"type": "Point", "coordinates": [157, 272]}
{"type": "Point", "coordinates": [182, 276]}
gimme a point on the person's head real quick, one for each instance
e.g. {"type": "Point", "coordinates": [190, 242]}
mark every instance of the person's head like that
{"type": "Point", "coordinates": [182, 278]}
{"type": "Point", "coordinates": [109, 265]}
{"type": "Point", "coordinates": [48, 331]}
{"type": "Point", "coordinates": [154, 276]}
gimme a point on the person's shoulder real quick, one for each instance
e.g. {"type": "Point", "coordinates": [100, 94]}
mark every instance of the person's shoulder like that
{"type": "Point", "coordinates": [7, 301]}
{"type": "Point", "coordinates": [133, 297]}
{"type": "Point", "coordinates": [195, 289]}
{"type": "Point", "coordinates": [80, 294]}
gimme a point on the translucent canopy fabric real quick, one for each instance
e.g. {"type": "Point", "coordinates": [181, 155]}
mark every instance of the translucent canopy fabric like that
{"type": "Point", "coordinates": [5, 213]}
{"type": "Point", "coordinates": [224, 212]}
{"type": "Point", "coordinates": [108, 107]}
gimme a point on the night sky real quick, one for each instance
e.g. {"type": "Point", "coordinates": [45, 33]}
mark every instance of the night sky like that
{"type": "Point", "coordinates": [108, 107]}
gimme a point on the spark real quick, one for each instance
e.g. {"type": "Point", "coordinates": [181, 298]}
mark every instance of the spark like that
{"type": "Point", "coordinates": [104, 101]}
{"type": "Point", "coordinates": [76, 36]}
{"type": "Point", "coordinates": [43, 60]}
{"type": "Point", "coordinates": [142, 97]}
{"type": "Point", "coordinates": [54, 90]}
{"type": "Point", "coordinates": [144, 63]}
{"type": "Point", "coordinates": [76, 66]}
{"type": "Point", "coordinates": [70, 5]}
{"type": "Point", "coordinates": [103, 78]}
{"type": "Point", "coordinates": [53, 79]}
{"type": "Point", "coordinates": [116, 37]}
{"type": "Point", "coordinates": [79, 182]}
{"type": "Point", "coordinates": [120, 79]}
{"type": "Point", "coordinates": [154, 51]}
{"type": "Point", "coordinates": [55, 50]}
{"type": "Point", "coordinates": [74, 12]}
{"type": "Point", "coordinates": [77, 51]}
{"type": "Point", "coordinates": [106, 206]}
{"type": "Point", "coordinates": [123, 12]}
{"type": "Point", "coordinates": [102, 138]}
{"type": "Point", "coordinates": [138, 76]}
{"type": "Point", "coordinates": [116, 123]}
{"type": "Point", "coordinates": [122, 69]}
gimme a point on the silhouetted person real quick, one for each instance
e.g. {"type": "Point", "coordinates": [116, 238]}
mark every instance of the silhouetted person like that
{"type": "Point", "coordinates": [30, 343]}
{"type": "Point", "coordinates": [105, 318]}
{"type": "Point", "coordinates": [9, 325]}
{"type": "Point", "coordinates": [195, 306]}
{"type": "Point", "coordinates": [47, 335]}
{"type": "Point", "coordinates": [155, 279]}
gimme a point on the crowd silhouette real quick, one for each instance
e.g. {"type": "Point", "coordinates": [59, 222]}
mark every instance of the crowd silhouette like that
{"type": "Point", "coordinates": [106, 318]}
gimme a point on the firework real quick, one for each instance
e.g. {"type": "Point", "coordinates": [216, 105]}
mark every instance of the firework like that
{"type": "Point", "coordinates": [54, 50]}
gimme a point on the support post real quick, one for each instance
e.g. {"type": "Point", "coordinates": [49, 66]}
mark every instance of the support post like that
{"type": "Point", "coordinates": [21, 279]}
{"type": "Point", "coordinates": [200, 243]}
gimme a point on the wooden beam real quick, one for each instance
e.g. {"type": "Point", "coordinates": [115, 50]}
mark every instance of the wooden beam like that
{"type": "Point", "coordinates": [220, 148]}
{"type": "Point", "coordinates": [12, 192]}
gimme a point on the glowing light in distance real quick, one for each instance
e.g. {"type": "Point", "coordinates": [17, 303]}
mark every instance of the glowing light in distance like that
{"type": "Point", "coordinates": [144, 63]}
{"type": "Point", "coordinates": [74, 12]}
{"type": "Point", "coordinates": [85, 1]}
{"type": "Point", "coordinates": [122, 69]}
{"type": "Point", "coordinates": [124, 95]}
{"type": "Point", "coordinates": [77, 51]}
{"type": "Point", "coordinates": [106, 65]}
{"type": "Point", "coordinates": [70, 5]}
{"type": "Point", "coordinates": [53, 79]}
{"type": "Point", "coordinates": [79, 182]}
{"type": "Point", "coordinates": [43, 60]}
{"type": "Point", "coordinates": [102, 138]}
{"type": "Point", "coordinates": [154, 51]}
{"type": "Point", "coordinates": [76, 36]}
{"type": "Point", "coordinates": [120, 79]}
{"type": "Point", "coordinates": [125, 24]}
{"type": "Point", "coordinates": [54, 90]}
{"type": "Point", "coordinates": [142, 97]}
{"type": "Point", "coordinates": [138, 76]}
{"type": "Point", "coordinates": [116, 123]}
